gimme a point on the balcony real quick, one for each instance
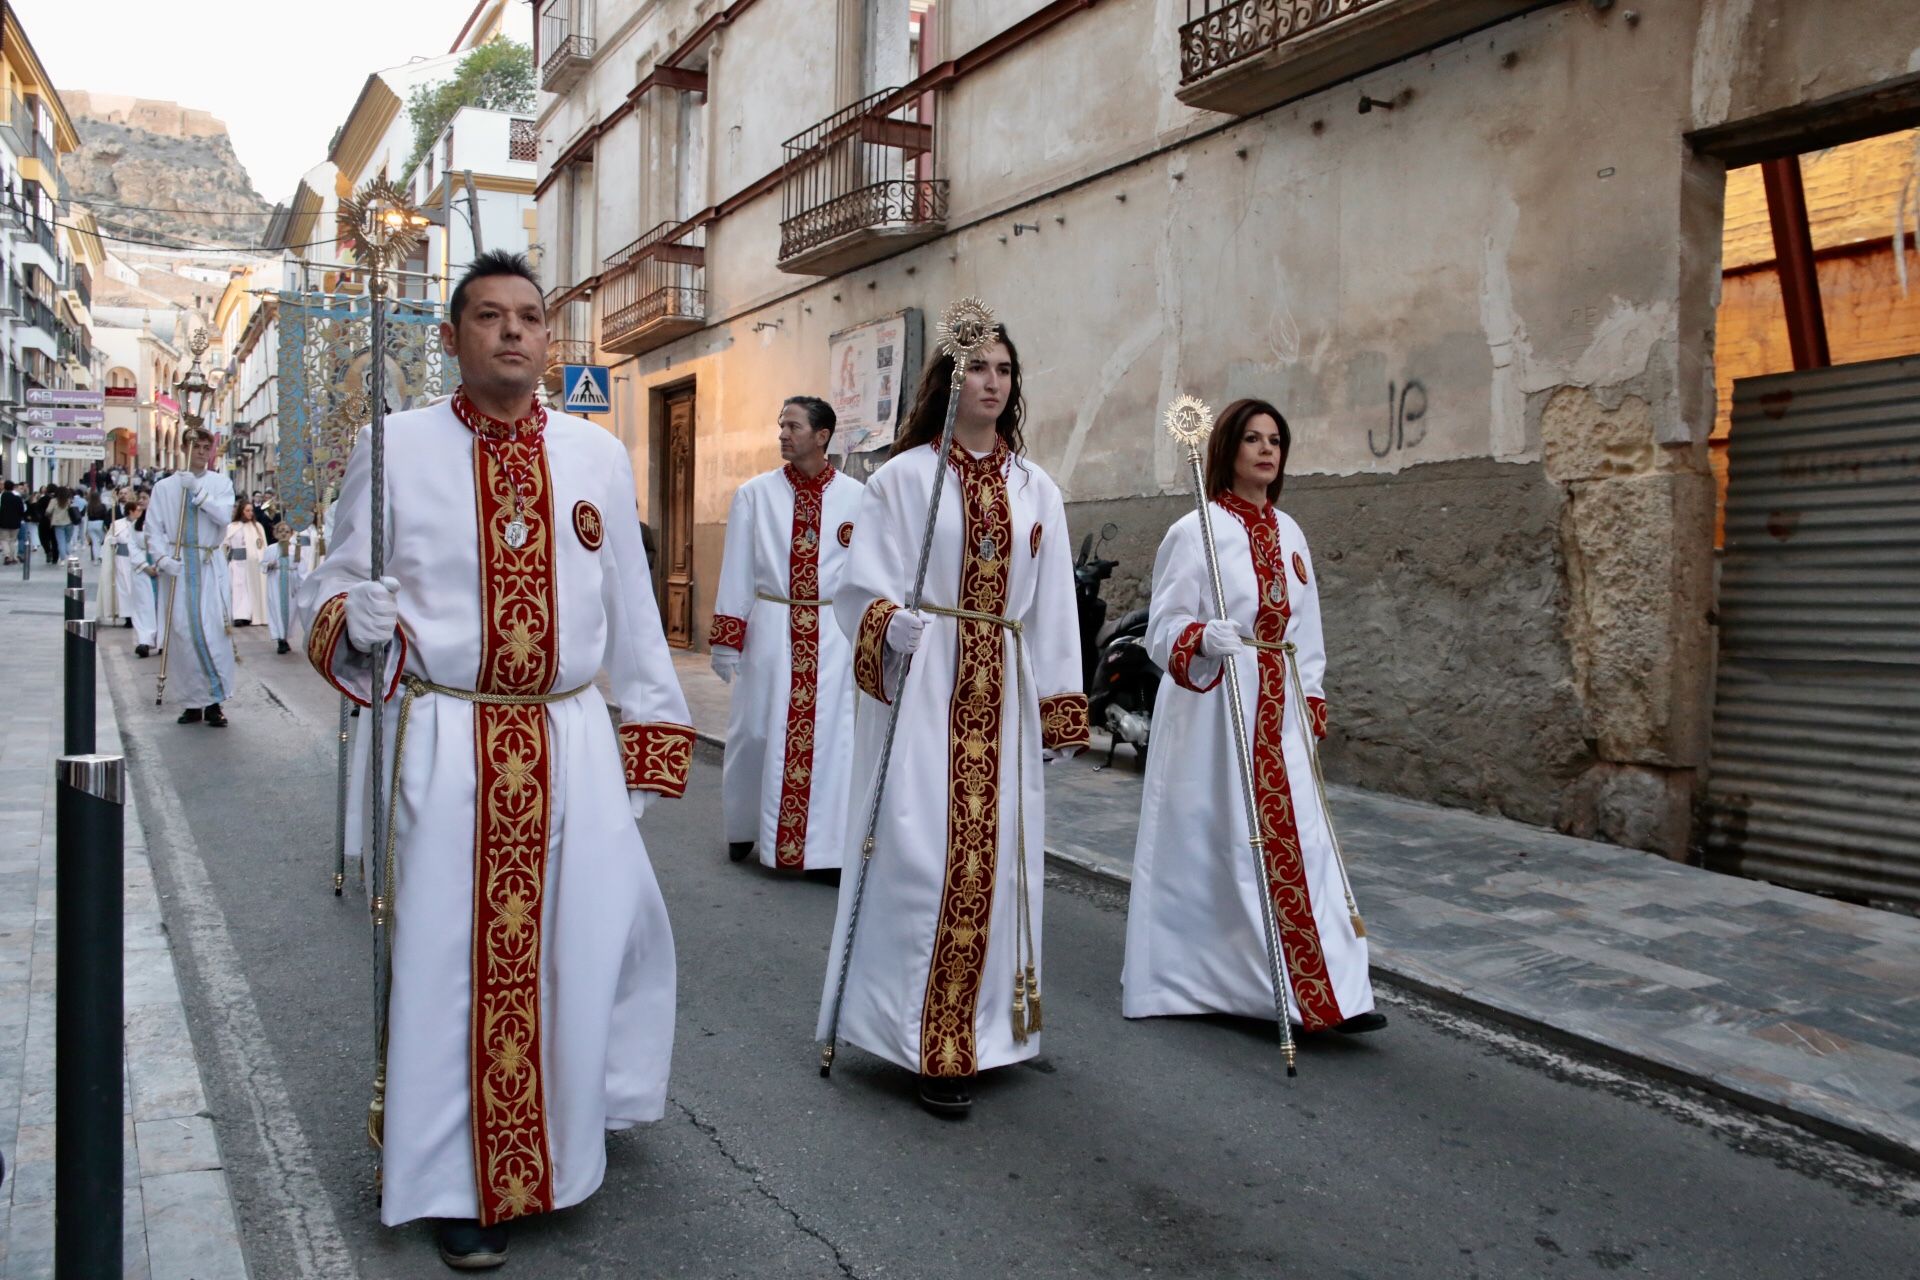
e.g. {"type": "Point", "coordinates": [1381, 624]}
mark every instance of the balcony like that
{"type": "Point", "coordinates": [566, 34]}
{"type": "Point", "coordinates": [860, 186]}
{"type": "Point", "coordinates": [654, 290]}
{"type": "Point", "coordinates": [570, 326]}
{"type": "Point", "coordinates": [1244, 56]}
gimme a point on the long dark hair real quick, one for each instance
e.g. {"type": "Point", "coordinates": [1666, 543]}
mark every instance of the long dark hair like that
{"type": "Point", "coordinates": [929, 411]}
{"type": "Point", "coordinates": [1223, 446]}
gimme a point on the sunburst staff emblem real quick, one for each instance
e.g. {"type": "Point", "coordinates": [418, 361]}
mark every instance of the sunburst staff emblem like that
{"type": "Point", "coordinates": [1189, 420]}
{"type": "Point", "coordinates": [965, 327]}
{"type": "Point", "coordinates": [380, 223]}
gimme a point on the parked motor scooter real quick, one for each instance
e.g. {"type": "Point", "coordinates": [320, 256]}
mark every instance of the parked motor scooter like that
{"type": "Point", "coordinates": [1090, 572]}
{"type": "Point", "coordinates": [1121, 680]}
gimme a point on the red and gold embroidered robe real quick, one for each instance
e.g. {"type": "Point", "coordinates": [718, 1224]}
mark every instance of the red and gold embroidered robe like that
{"type": "Point", "coordinates": [533, 970]}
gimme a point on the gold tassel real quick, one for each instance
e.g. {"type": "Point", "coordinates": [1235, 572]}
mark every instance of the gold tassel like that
{"type": "Point", "coordinates": [1359, 929]}
{"type": "Point", "coordinates": [1019, 1008]}
{"type": "Point", "coordinates": [1033, 1007]}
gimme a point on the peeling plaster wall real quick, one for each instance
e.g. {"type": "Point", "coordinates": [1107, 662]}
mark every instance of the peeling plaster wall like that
{"type": "Point", "coordinates": [1487, 312]}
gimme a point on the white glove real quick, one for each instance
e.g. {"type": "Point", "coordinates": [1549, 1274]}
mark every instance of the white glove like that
{"type": "Point", "coordinates": [904, 629]}
{"type": "Point", "coordinates": [170, 565]}
{"type": "Point", "coordinates": [639, 800]}
{"type": "Point", "coordinates": [373, 609]}
{"type": "Point", "coordinates": [1221, 640]}
{"type": "Point", "coordinates": [1048, 755]}
{"type": "Point", "coordinates": [725, 663]}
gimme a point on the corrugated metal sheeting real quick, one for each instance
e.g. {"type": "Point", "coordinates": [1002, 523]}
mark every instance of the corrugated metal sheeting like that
{"type": "Point", "coordinates": [1815, 772]}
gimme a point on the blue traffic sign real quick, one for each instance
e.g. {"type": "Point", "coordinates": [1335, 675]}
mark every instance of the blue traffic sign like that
{"type": "Point", "coordinates": [586, 389]}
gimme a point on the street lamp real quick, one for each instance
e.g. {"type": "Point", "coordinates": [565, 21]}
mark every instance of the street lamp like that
{"type": "Point", "coordinates": [193, 390]}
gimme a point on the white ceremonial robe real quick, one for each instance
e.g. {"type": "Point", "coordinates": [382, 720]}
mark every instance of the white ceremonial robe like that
{"type": "Point", "coordinates": [200, 672]}
{"type": "Point", "coordinates": [931, 983]}
{"type": "Point", "coordinates": [1195, 934]}
{"type": "Point", "coordinates": [114, 597]}
{"type": "Point", "coordinates": [142, 599]}
{"type": "Point", "coordinates": [283, 576]}
{"type": "Point", "coordinates": [788, 765]}
{"type": "Point", "coordinates": [531, 949]}
{"type": "Point", "coordinates": [246, 574]}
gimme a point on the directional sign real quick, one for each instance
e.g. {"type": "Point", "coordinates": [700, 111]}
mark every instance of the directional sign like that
{"type": "Point", "coordinates": [64, 415]}
{"type": "Point", "coordinates": [82, 452]}
{"type": "Point", "coordinates": [53, 395]}
{"type": "Point", "coordinates": [66, 435]}
{"type": "Point", "coordinates": [40, 450]}
{"type": "Point", "coordinates": [586, 389]}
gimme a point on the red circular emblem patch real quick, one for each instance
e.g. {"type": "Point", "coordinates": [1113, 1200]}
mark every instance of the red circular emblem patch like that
{"type": "Point", "coordinates": [586, 523]}
{"type": "Point", "coordinates": [1299, 567]}
{"type": "Point", "coordinates": [846, 534]}
{"type": "Point", "coordinates": [1033, 540]}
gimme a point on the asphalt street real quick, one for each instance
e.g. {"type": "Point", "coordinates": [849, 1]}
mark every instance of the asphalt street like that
{"type": "Point", "coordinates": [1443, 1147]}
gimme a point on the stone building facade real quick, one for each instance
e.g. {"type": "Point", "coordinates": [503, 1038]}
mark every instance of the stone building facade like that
{"type": "Point", "coordinates": [1471, 247]}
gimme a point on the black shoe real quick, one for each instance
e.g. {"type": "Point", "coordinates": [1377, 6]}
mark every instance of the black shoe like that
{"type": "Point", "coordinates": [216, 717]}
{"type": "Point", "coordinates": [465, 1245]}
{"type": "Point", "coordinates": [946, 1096]}
{"type": "Point", "coordinates": [824, 875]}
{"type": "Point", "coordinates": [1360, 1023]}
{"type": "Point", "coordinates": [738, 850]}
{"type": "Point", "coordinates": [243, 622]}
{"type": "Point", "coordinates": [190, 716]}
{"type": "Point", "coordinates": [140, 651]}
{"type": "Point", "coordinates": [283, 647]}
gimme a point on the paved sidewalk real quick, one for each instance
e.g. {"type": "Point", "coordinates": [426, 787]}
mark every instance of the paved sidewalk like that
{"type": "Point", "coordinates": [1785, 1002]}
{"type": "Point", "coordinates": [179, 1215]}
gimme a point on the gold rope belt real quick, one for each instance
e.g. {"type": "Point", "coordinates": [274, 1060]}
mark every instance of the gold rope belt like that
{"type": "Point", "coordinates": [773, 599]}
{"type": "Point", "coordinates": [1026, 982]}
{"type": "Point", "coordinates": [416, 686]}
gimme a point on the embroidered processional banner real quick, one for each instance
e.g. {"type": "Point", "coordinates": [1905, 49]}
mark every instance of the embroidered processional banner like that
{"type": "Point", "coordinates": [325, 385]}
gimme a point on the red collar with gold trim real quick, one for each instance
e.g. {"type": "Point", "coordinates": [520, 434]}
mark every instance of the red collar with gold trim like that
{"type": "Point", "coordinates": [963, 461]}
{"type": "Point", "coordinates": [482, 424]}
{"type": "Point", "coordinates": [1248, 514]}
{"type": "Point", "coordinates": [803, 483]}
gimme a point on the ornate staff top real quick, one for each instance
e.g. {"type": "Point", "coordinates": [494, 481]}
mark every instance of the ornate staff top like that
{"type": "Point", "coordinates": [1189, 421]}
{"type": "Point", "coordinates": [966, 328]}
{"type": "Point", "coordinates": [381, 224]}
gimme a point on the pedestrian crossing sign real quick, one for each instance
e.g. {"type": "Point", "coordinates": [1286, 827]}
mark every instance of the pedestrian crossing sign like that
{"type": "Point", "coordinates": [585, 387]}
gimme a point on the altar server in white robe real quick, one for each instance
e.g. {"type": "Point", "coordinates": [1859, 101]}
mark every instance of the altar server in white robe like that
{"type": "Point", "coordinates": [945, 977]}
{"type": "Point", "coordinates": [246, 545]}
{"type": "Point", "coordinates": [143, 603]}
{"type": "Point", "coordinates": [533, 970]}
{"type": "Point", "coordinates": [190, 554]}
{"type": "Point", "coordinates": [115, 595]}
{"type": "Point", "coordinates": [285, 566]}
{"type": "Point", "coordinates": [788, 763]}
{"type": "Point", "coordinates": [1195, 931]}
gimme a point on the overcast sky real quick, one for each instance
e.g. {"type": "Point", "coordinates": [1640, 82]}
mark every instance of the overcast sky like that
{"type": "Point", "coordinates": [281, 75]}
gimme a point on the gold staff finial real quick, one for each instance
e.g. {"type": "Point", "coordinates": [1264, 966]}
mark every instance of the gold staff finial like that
{"type": "Point", "coordinates": [965, 327]}
{"type": "Point", "coordinates": [1189, 420]}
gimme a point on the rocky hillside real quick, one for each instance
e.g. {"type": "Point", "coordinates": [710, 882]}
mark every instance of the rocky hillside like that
{"type": "Point", "coordinates": [160, 157]}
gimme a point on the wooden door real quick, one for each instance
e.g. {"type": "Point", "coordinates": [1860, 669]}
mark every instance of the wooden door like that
{"type": "Point", "coordinates": [676, 525]}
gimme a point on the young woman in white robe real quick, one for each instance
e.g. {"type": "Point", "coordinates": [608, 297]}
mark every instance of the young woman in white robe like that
{"type": "Point", "coordinates": [1195, 931]}
{"type": "Point", "coordinates": [945, 977]}
{"type": "Point", "coordinates": [787, 769]}
{"type": "Point", "coordinates": [246, 545]}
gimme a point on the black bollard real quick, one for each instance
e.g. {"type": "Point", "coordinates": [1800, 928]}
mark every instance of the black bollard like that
{"type": "Point", "coordinates": [74, 582]}
{"type": "Point", "coordinates": [75, 605]}
{"type": "Point", "coordinates": [80, 657]}
{"type": "Point", "coordinates": [89, 1014]}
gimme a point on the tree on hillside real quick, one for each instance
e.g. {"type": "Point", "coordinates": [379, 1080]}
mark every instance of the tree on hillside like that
{"type": "Point", "coordinates": [497, 76]}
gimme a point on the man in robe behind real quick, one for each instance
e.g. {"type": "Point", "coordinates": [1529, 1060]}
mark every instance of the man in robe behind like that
{"type": "Point", "coordinates": [187, 519]}
{"type": "Point", "coordinates": [533, 971]}
{"type": "Point", "coordinates": [787, 773]}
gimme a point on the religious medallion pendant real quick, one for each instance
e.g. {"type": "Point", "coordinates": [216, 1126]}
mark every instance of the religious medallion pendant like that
{"type": "Point", "coordinates": [516, 534]}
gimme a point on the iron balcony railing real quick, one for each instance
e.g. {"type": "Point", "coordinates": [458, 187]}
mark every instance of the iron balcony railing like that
{"type": "Point", "coordinates": [660, 277]}
{"type": "Point", "coordinates": [523, 140]}
{"type": "Point", "coordinates": [566, 34]}
{"type": "Point", "coordinates": [865, 168]}
{"type": "Point", "coordinates": [570, 331]}
{"type": "Point", "coordinates": [1219, 33]}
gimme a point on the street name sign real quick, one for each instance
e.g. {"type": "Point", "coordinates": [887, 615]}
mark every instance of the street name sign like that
{"type": "Point", "coordinates": [64, 415]}
{"type": "Point", "coordinates": [66, 435]}
{"type": "Point", "coordinates": [54, 395]}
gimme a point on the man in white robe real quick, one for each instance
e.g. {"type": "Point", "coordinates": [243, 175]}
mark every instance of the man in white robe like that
{"type": "Point", "coordinates": [187, 520]}
{"type": "Point", "coordinates": [533, 973]}
{"type": "Point", "coordinates": [284, 565]}
{"type": "Point", "coordinates": [788, 762]}
{"type": "Point", "coordinates": [144, 601]}
{"type": "Point", "coordinates": [945, 976]}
